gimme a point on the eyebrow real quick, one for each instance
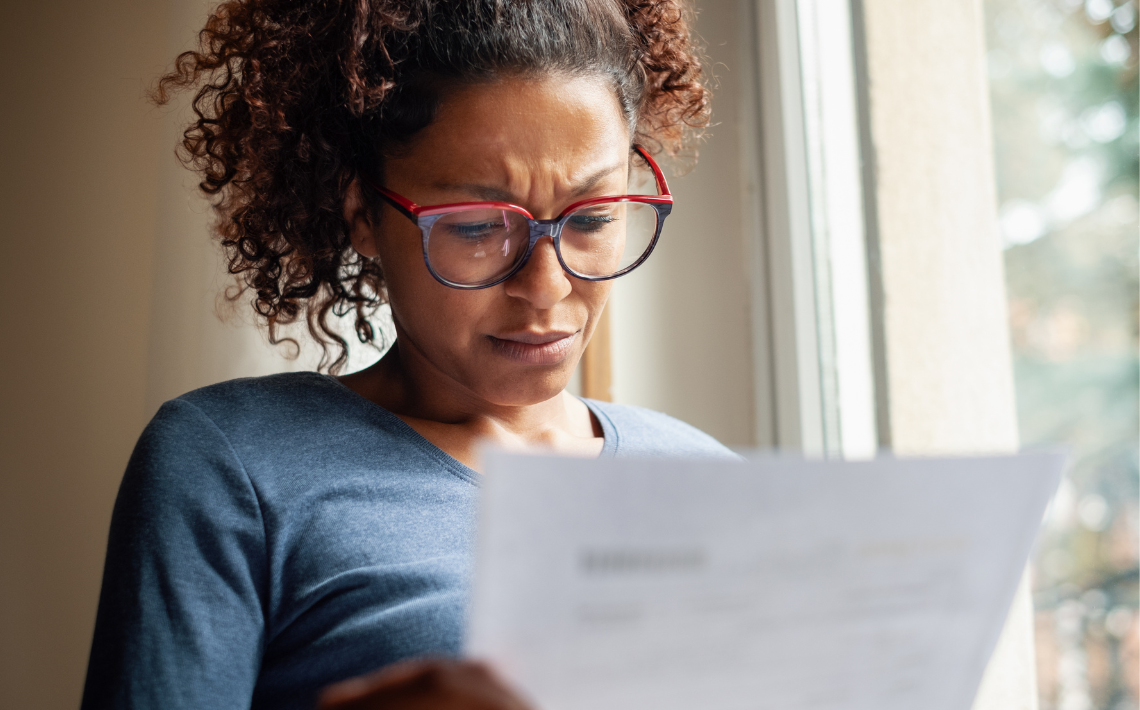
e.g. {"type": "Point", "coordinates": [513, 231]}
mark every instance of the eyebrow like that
{"type": "Point", "coordinates": [498, 194]}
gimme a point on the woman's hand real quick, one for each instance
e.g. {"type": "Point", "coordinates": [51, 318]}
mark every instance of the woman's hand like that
{"type": "Point", "coordinates": [424, 685]}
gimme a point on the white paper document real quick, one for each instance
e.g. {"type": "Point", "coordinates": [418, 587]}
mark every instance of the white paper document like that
{"type": "Point", "coordinates": [783, 584]}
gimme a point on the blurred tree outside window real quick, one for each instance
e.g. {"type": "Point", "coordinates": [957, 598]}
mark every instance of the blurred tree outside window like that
{"type": "Point", "coordinates": [1063, 90]}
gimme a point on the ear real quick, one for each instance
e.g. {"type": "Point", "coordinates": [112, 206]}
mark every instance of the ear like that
{"type": "Point", "coordinates": [361, 228]}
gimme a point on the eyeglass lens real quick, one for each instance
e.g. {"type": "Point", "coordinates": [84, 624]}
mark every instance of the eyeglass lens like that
{"type": "Point", "coordinates": [474, 247]}
{"type": "Point", "coordinates": [601, 240]}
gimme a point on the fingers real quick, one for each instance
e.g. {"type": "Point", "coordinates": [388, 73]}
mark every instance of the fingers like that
{"type": "Point", "coordinates": [424, 685]}
{"type": "Point", "coordinates": [481, 681]}
{"type": "Point", "coordinates": [344, 694]}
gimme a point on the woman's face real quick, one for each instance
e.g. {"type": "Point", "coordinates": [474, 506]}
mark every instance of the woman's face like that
{"type": "Point", "coordinates": [540, 143]}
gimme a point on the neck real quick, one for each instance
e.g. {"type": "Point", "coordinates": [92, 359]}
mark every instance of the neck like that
{"type": "Point", "coordinates": [457, 419]}
{"type": "Point", "coordinates": [415, 387]}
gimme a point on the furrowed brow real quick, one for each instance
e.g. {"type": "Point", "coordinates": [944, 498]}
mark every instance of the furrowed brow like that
{"type": "Point", "coordinates": [486, 193]}
{"type": "Point", "coordinates": [591, 180]}
{"type": "Point", "coordinates": [491, 193]}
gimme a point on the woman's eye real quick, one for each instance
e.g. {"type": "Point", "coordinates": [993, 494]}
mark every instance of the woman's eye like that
{"type": "Point", "coordinates": [590, 223]}
{"type": "Point", "coordinates": [475, 232]}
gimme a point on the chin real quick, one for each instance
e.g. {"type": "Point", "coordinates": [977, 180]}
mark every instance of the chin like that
{"type": "Point", "coordinates": [520, 389]}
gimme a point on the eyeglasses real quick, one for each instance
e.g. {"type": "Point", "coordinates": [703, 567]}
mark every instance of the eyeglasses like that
{"type": "Point", "coordinates": [473, 245]}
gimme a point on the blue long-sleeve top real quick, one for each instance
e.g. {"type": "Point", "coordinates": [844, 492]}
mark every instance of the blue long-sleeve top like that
{"type": "Point", "coordinates": [274, 535]}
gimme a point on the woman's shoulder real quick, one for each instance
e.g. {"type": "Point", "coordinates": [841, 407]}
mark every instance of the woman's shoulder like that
{"type": "Point", "coordinates": [638, 431]}
{"type": "Point", "coordinates": [279, 421]}
{"type": "Point", "coordinates": [283, 396]}
{"type": "Point", "coordinates": [280, 430]}
{"type": "Point", "coordinates": [241, 420]}
{"type": "Point", "coordinates": [307, 404]}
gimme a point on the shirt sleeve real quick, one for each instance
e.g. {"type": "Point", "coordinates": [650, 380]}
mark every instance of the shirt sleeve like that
{"type": "Point", "coordinates": [181, 619]}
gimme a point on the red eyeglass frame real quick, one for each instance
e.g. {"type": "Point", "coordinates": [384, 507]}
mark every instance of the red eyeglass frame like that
{"type": "Point", "coordinates": [426, 216]}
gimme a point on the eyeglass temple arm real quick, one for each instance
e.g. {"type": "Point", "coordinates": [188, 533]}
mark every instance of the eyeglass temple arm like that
{"type": "Point", "coordinates": [662, 186]}
{"type": "Point", "coordinates": [405, 207]}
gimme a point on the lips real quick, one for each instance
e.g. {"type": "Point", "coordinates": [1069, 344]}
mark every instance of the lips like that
{"type": "Point", "coordinates": [530, 348]}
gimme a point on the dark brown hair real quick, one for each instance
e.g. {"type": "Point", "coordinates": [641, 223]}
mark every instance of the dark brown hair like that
{"type": "Point", "coordinates": [294, 99]}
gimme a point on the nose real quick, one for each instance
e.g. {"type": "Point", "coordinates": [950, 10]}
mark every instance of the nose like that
{"type": "Point", "coordinates": [541, 281]}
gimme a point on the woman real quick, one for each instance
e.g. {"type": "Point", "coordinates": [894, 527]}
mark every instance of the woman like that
{"type": "Point", "coordinates": [277, 535]}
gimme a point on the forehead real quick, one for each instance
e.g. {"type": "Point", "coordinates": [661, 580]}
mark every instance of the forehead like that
{"type": "Point", "coordinates": [553, 127]}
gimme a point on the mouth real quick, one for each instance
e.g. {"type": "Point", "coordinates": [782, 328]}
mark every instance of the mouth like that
{"type": "Point", "coordinates": [530, 348]}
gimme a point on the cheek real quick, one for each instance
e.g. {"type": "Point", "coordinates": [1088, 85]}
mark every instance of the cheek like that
{"type": "Point", "coordinates": [398, 246]}
{"type": "Point", "coordinates": [594, 294]}
{"type": "Point", "coordinates": [426, 309]}
{"type": "Point", "coordinates": [401, 258]}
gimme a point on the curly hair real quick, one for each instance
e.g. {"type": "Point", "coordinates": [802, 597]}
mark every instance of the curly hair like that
{"type": "Point", "coordinates": [294, 99]}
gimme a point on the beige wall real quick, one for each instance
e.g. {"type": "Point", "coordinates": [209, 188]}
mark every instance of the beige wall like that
{"type": "Point", "coordinates": [110, 282]}
{"type": "Point", "coordinates": [79, 168]}
{"type": "Point", "coordinates": [950, 370]}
